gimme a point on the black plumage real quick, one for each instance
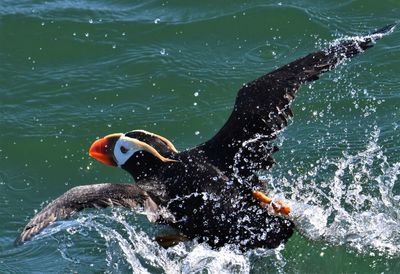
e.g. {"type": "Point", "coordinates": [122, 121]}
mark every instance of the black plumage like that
{"type": "Point", "coordinates": [207, 192]}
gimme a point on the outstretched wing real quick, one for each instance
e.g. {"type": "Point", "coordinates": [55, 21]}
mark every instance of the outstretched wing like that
{"type": "Point", "coordinates": [262, 107]}
{"type": "Point", "coordinates": [90, 196]}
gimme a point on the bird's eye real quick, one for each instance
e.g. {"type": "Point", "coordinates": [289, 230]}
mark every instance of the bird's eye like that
{"type": "Point", "coordinates": [123, 149]}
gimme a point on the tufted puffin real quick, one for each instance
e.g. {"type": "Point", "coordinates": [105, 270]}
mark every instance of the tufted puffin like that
{"type": "Point", "coordinates": [210, 192]}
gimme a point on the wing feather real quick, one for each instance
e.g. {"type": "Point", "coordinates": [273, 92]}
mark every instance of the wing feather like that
{"type": "Point", "coordinates": [262, 107]}
{"type": "Point", "coordinates": [80, 197]}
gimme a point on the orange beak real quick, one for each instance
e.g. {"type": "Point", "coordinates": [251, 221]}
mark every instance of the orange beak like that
{"type": "Point", "coordinates": [103, 149]}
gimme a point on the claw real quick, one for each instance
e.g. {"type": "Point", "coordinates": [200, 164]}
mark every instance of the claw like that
{"type": "Point", "coordinates": [278, 206]}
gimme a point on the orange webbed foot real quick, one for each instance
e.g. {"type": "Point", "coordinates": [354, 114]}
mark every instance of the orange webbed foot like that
{"type": "Point", "coordinates": [278, 206]}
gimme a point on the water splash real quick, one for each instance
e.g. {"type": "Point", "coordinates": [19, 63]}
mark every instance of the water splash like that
{"type": "Point", "coordinates": [348, 201]}
{"type": "Point", "coordinates": [128, 247]}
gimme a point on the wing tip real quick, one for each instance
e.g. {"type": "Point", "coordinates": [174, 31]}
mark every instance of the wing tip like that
{"type": "Point", "coordinates": [27, 234]}
{"type": "Point", "coordinates": [385, 30]}
{"type": "Point", "coordinates": [20, 240]}
{"type": "Point", "coordinates": [348, 47]}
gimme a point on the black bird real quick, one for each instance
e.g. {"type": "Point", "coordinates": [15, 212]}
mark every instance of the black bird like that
{"type": "Point", "coordinates": [209, 192]}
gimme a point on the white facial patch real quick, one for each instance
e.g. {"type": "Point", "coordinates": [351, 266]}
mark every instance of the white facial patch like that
{"type": "Point", "coordinates": [124, 149]}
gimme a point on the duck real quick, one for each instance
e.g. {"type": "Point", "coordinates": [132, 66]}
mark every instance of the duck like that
{"type": "Point", "coordinates": [210, 192]}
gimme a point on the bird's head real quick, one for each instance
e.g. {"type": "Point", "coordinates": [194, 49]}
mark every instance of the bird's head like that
{"type": "Point", "coordinates": [136, 151]}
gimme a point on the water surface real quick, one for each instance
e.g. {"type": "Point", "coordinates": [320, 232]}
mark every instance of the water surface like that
{"type": "Point", "coordinates": [72, 71]}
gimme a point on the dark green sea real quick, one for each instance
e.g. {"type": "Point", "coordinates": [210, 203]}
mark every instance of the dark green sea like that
{"type": "Point", "coordinates": [72, 71]}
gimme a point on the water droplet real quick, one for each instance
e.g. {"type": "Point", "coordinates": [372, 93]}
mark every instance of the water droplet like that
{"type": "Point", "coordinates": [196, 94]}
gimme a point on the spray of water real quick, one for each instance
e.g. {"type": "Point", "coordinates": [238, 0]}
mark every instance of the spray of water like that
{"type": "Point", "coordinates": [352, 204]}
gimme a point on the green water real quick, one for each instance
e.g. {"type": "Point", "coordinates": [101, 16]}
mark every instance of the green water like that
{"type": "Point", "coordinates": [72, 71]}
